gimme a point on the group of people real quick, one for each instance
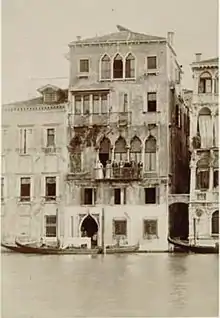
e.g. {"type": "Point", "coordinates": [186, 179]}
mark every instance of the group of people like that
{"type": "Point", "coordinates": [123, 169]}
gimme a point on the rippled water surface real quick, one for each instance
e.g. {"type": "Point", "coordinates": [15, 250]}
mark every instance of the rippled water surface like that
{"type": "Point", "coordinates": [104, 286]}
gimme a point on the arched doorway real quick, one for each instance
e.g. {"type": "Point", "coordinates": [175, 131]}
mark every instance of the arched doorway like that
{"type": "Point", "coordinates": [179, 221]}
{"type": "Point", "coordinates": [105, 151]}
{"type": "Point", "coordinates": [89, 228]}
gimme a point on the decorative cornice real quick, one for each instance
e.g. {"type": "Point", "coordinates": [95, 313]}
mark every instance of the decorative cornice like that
{"type": "Point", "coordinates": [42, 107]}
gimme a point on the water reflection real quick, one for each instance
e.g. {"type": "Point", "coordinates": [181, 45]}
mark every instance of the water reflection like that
{"type": "Point", "coordinates": [152, 285]}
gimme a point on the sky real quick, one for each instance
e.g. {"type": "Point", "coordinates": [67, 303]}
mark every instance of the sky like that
{"type": "Point", "coordinates": [36, 34]}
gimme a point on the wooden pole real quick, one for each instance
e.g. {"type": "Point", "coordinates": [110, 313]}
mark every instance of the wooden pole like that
{"type": "Point", "coordinates": [103, 230]}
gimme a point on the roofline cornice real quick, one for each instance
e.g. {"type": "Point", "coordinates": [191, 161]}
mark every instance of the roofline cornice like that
{"type": "Point", "coordinates": [81, 43]}
{"type": "Point", "coordinates": [14, 108]}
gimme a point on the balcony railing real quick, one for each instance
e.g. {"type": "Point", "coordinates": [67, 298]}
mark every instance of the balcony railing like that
{"type": "Point", "coordinates": [119, 118]}
{"type": "Point", "coordinates": [205, 98]}
{"type": "Point", "coordinates": [118, 173]}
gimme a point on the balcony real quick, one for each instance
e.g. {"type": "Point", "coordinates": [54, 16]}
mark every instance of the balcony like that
{"type": "Point", "coordinates": [206, 98]}
{"type": "Point", "coordinates": [118, 174]}
{"type": "Point", "coordinates": [118, 118]}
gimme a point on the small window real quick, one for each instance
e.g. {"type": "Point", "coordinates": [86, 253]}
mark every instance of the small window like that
{"type": "Point", "coordinates": [117, 196]}
{"type": "Point", "coordinates": [2, 188]}
{"type": "Point", "coordinates": [23, 140]}
{"type": "Point", "coordinates": [202, 179]}
{"type": "Point", "coordinates": [150, 229]}
{"type": "Point", "coordinates": [216, 180]}
{"type": "Point", "coordinates": [50, 97]}
{"type": "Point", "coordinates": [51, 225]}
{"type": "Point", "coordinates": [152, 62]}
{"type": "Point", "coordinates": [88, 196]}
{"type": "Point", "coordinates": [84, 66]}
{"type": "Point", "coordinates": [150, 195]}
{"type": "Point", "coordinates": [120, 227]}
{"type": "Point", "coordinates": [50, 137]}
{"type": "Point", "coordinates": [50, 188]}
{"type": "Point", "coordinates": [151, 102]}
{"type": "Point", "coordinates": [25, 189]}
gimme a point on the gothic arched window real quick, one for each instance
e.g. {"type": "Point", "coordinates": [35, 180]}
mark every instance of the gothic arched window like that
{"type": "Point", "coordinates": [135, 150]}
{"type": "Point", "coordinates": [118, 66]}
{"type": "Point", "coordinates": [120, 149]}
{"type": "Point", "coordinates": [150, 153]}
{"type": "Point", "coordinates": [130, 66]}
{"type": "Point", "coordinates": [105, 67]}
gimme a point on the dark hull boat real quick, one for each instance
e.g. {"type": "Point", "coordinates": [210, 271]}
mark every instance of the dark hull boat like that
{"type": "Point", "coordinates": [115, 249]}
{"type": "Point", "coordinates": [15, 248]}
{"type": "Point", "coordinates": [31, 249]}
{"type": "Point", "coordinates": [199, 249]}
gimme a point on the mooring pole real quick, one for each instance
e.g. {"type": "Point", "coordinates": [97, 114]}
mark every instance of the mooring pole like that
{"type": "Point", "coordinates": [103, 231]}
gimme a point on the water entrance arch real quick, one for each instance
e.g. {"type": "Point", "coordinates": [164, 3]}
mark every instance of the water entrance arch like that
{"type": "Point", "coordinates": [179, 220]}
{"type": "Point", "coordinates": [89, 228]}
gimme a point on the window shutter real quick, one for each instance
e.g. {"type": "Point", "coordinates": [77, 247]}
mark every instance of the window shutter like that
{"type": "Point", "coordinates": [158, 194]}
{"type": "Point", "coordinates": [94, 195]}
{"type": "Point", "coordinates": [145, 102]}
{"type": "Point", "coordinates": [125, 195]}
{"type": "Point", "coordinates": [82, 194]}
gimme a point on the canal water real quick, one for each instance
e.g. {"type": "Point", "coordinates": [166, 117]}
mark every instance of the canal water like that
{"type": "Point", "coordinates": [147, 285]}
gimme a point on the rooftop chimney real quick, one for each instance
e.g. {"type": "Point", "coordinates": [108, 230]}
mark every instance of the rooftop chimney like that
{"type": "Point", "coordinates": [170, 37]}
{"type": "Point", "coordinates": [198, 57]}
{"type": "Point", "coordinates": [78, 37]}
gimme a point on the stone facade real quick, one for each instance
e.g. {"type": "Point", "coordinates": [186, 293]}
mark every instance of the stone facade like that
{"type": "Point", "coordinates": [123, 127]}
{"type": "Point", "coordinates": [204, 142]}
{"type": "Point", "coordinates": [117, 150]}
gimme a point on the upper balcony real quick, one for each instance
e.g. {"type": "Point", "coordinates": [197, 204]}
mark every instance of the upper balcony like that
{"type": "Point", "coordinates": [205, 98]}
{"type": "Point", "coordinates": [118, 118]}
{"type": "Point", "coordinates": [118, 173]}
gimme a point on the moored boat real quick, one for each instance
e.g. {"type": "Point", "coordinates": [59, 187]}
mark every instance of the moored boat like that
{"type": "Point", "coordinates": [49, 250]}
{"type": "Point", "coordinates": [15, 248]}
{"type": "Point", "coordinates": [194, 248]}
{"type": "Point", "coordinates": [116, 249]}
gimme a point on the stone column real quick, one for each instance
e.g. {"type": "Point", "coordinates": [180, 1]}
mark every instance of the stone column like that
{"type": "Point", "coordinates": [192, 178]}
{"type": "Point", "coordinates": [90, 109]}
{"type": "Point", "coordinates": [213, 126]}
{"type": "Point", "coordinates": [211, 171]}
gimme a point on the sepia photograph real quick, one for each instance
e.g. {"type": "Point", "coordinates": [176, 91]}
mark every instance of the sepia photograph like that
{"type": "Point", "coordinates": [109, 158]}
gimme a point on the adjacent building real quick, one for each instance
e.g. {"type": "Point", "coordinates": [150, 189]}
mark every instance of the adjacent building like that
{"type": "Point", "coordinates": [33, 163]}
{"type": "Point", "coordinates": [101, 158]}
{"type": "Point", "coordinates": [204, 141]}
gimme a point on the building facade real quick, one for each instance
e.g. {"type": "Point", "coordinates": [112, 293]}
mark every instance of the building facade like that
{"type": "Point", "coordinates": [125, 116]}
{"type": "Point", "coordinates": [103, 163]}
{"type": "Point", "coordinates": [204, 139]}
{"type": "Point", "coordinates": [33, 162]}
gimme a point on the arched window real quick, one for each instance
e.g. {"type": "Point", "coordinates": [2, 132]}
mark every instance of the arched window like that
{"type": "Point", "coordinates": [215, 223]}
{"type": "Point", "coordinates": [105, 67]}
{"type": "Point", "coordinates": [205, 128]}
{"type": "Point", "coordinates": [135, 150]}
{"type": "Point", "coordinates": [105, 151]}
{"type": "Point", "coordinates": [75, 154]}
{"type": "Point", "coordinates": [120, 149]}
{"type": "Point", "coordinates": [216, 129]}
{"type": "Point", "coordinates": [202, 172]}
{"type": "Point", "coordinates": [118, 66]}
{"type": "Point", "coordinates": [216, 84]}
{"type": "Point", "coordinates": [205, 83]}
{"type": "Point", "coordinates": [130, 66]}
{"type": "Point", "coordinates": [150, 154]}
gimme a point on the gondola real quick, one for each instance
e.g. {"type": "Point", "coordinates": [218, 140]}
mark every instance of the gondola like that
{"type": "Point", "coordinates": [15, 248]}
{"type": "Point", "coordinates": [48, 250]}
{"type": "Point", "coordinates": [199, 249]}
{"type": "Point", "coordinates": [115, 249]}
